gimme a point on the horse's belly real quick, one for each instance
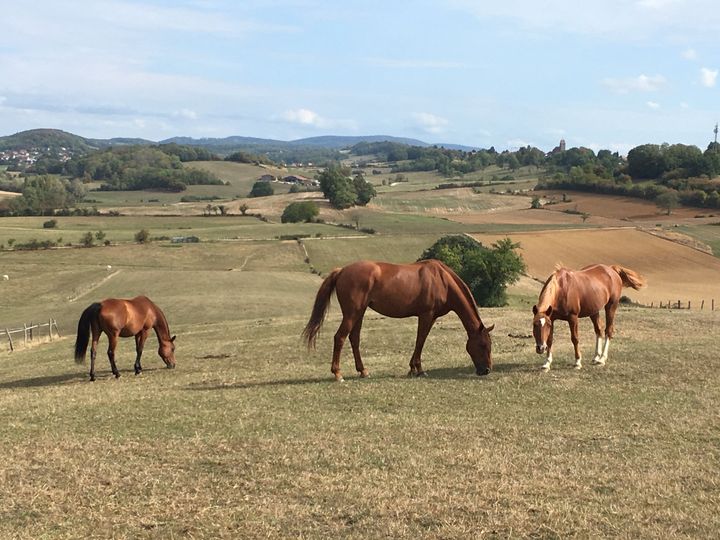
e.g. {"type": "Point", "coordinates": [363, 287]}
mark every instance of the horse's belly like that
{"type": "Point", "coordinates": [392, 311]}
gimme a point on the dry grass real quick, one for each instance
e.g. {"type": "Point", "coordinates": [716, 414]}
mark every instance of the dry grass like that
{"type": "Point", "coordinates": [250, 438]}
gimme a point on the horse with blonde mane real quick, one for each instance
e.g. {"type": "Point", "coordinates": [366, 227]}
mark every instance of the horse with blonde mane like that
{"type": "Point", "coordinates": [426, 289]}
{"type": "Point", "coordinates": [569, 295]}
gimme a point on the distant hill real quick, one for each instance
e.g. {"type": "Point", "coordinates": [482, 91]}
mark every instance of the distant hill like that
{"type": "Point", "coordinates": [55, 143]}
{"type": "Point", "coordinates": [52, 139]}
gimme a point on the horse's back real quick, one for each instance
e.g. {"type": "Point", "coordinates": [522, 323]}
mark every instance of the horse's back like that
{"type": "Point", "coordinates": [394, 290]}
{"type": "Point", "coordinates": [127, 316]}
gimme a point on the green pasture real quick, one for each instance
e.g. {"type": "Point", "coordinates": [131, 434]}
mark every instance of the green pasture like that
{"type": "Point", "coordinates": [445, 201]}
{"type": "Point", "coordinates": [250, 437]}
{"type": "Point", "coordinates": [708, 234]}
{"type": "Point", "coordinates": [123, 228]}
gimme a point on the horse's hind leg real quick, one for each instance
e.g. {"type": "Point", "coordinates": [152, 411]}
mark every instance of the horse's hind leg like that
{"type": "Point", "coordinates": [93, 352]}
{"type": "Point", "coordinates": [113, 339]}
{"type": "Point", "coordinates": [342, 332]}
{"type": "Point", "coordinates": [598, 337]}
{"type": "Point", "coordinates": [574, 330]}
{"type": "Point", "coordinates": [425, 323]}
{"type": "Point", "coordinates": [355, 343]}
{"type": "Point", "coordinates": [139, 344]}
{"type": "Point", "coordinates": [610, 310]}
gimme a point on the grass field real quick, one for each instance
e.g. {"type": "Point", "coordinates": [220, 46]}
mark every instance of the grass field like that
{"type": "Point", "coordinates": [250, 437]}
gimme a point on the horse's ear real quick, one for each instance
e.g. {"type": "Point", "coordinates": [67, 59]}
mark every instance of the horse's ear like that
{"type": "Point", "coordinates": [549, 311]}
{"type": "Point", "coordinates": [173, 338]}
{"type": "Point", "coordinates": [535, 310]}
{"type": "Point", "coordinates": [491, 328]}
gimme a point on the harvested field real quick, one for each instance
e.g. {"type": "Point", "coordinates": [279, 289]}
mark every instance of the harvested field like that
{"type": "Point", "coordinates": [674, 272]}
{"type": "Point", "coordinates": [615, 207]}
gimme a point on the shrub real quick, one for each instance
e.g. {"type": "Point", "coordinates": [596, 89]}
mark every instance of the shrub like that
{"type": "Point", "coordinates": [261, 189]}
{"type": "Point", "coordinates": [142, 236]}
{"type": "Point", "coordinates": [50, 224]}
{"type": "Point", "coordinates": [296, 212]}
{"type": "Point", "coordinates": [487, 271]}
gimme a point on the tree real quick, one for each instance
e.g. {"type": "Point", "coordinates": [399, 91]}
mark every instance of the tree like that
{"type": "Point", "coordinates": [300, 211]}
{"type": "Point", "coordinates": [243, 208]}
{"type": "Point", "coordinates": [535, 203]}
{"type": "Point", "coordinates": [142, 236]}
{"type": "Point", "coordinates": [668, 201]}
{"type": "Point", "coordinates": [487, 271]}
{"type": "Point", "coordinates": [87, 239]}
{"type": "Point", "coordinates": [585, 216]}
{"type": "Point", "coordinates": [261, 189]}
{"type": "Point", "coordinates": [364, 189]}
{"type": "Point", "coordinates": [100, 236]}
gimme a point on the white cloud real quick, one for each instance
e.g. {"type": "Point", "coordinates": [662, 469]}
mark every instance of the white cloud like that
{"type": "Point", "coordinates": [430, 122]}
{"type": "Point", "coordinates": [684, 105]}
{"type": "Point", "coordinates": [303, 116]}
{"type": "Point", "coordinates": [653, 104]}
{"type": "Point", "coordinates": [708, 77]}
{"type": "Point", "coordinates": [189, 114]}
{"type": "Point", "coordinates": [641, 83]}
{"type": "Point", "coordinates": [689, 54]}
{"type": "Point", "coordinates": [518, 143]}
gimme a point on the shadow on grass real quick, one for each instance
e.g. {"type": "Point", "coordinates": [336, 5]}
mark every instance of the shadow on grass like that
{"type": "Point", "coordinates": [49, 380]}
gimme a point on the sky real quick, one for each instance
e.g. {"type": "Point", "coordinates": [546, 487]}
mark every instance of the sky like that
{"type": "Point", "coordinates": [608, 74]}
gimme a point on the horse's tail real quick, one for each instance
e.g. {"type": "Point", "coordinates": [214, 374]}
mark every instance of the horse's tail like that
{"type": "Point", "coordinates": [630, 278]}
{"type": "Point", "coordinates": [83, 332]}
{"type": "Point", "coordinates": [320, 308]}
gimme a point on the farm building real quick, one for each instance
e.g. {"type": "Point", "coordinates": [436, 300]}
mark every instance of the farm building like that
{"type": "Point", "coordinates": [301, 180]}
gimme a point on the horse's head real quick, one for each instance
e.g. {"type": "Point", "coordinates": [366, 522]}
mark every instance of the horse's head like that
{"type": "Point", "coordinates": [542, 328]}
{"type": "Point", "coordinates": [167, 351]}
{"type": "Point", "coordinates": [478, 347]}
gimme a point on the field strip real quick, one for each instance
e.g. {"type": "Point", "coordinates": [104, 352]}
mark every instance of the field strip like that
{"type": "Point", "coordinates": [94, 286]}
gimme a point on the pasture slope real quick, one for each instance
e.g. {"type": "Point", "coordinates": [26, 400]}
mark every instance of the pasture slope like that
{"type": "Point", "coordinates": [250, 438]}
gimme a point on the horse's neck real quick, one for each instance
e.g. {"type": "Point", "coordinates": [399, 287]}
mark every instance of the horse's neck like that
{"type": "Point", "coordinates": [463, 304]}
{"type": "Point", "coordinates": [550, 295]}
{"type": "Point", "coordinates": [162, 330]}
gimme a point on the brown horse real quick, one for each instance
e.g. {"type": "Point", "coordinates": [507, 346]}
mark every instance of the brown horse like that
{"type": "Point", "coordinates": [123, 318]}
{"type": "Point", "coordinates": [569, 295]}
{"type": "Point", "coordinates": [426, 290]}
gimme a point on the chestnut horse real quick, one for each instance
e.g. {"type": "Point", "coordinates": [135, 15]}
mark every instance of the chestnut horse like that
{"type": "Point", "coordinates": [569, 295]}
{"type": "Point", "coordinates": [426, 290]}
{"type": "Point", "coordinates": [123, 318]}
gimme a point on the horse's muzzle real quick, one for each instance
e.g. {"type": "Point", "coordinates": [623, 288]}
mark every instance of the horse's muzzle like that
{"type": "Point", "coordinates": [540, 349]}
{"type": "Point", "coordinates": [482, 373]}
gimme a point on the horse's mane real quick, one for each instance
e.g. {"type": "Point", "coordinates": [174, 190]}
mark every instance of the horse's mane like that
{"type": "Point", "coordinates": [463, 288]}
{"type": "Point", "coordinates": [549, 290]}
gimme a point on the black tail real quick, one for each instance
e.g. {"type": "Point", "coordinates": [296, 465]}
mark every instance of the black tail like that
{"type": "Point", "coordinates": [83, 332]}
{"type": "Point", "coordinates": [322, 303]}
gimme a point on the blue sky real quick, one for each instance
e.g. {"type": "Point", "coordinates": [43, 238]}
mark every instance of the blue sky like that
{"type": "Point", "coordinates": [611, 74]}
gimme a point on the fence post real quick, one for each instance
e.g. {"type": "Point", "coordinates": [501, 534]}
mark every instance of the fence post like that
{"type": "Point", "coordinates": [56, 328]}
{"type": "Point", "coordinates": [12, 348]}
{"type": "Point", "coordinates": [688, 304]}
{"type": "Point", "coordinates": [713, 305]}
{"type": "Point", "coordinates": [702, 305]}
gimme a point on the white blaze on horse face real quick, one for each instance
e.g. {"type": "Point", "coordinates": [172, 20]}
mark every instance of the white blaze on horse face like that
{"type": "Point", "coordinates": [542, 322]}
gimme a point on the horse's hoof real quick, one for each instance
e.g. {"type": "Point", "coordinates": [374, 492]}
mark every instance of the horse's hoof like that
{"type": "Point", "coordinates": [421, 374]}
{"type": "Point", "coordinates": [117, 375]}
{"type": "Point", "coordinates": [411, 373]}
{"type": "Point", "coordinates": [578, 366]}
{"type": "Point", "coordinates": [544, 368]}
{"type": "Point", "coordinates": [364, 374]}
{"type": "Point", "coordinates": [598, 362]}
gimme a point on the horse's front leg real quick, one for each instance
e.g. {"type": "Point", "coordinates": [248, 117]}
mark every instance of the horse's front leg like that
{"type": "Point", "coordinates": [139, 344]}
{"type": "Point", "coordinates": [355, 343]}
{"type": "Point", "coordinates": [549, 357]}
{"type": "Point", "coordinates": [425, 323]}
{"type": "Point", "coordinates": [113, 339]}
{"type": "Point", "coordinates": [574, 330]}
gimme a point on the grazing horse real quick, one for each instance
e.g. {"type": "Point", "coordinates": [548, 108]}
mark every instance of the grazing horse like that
{"type": "Point", "coordinates": [569, 295]}
{"type": "Point", "coordinates": [426, 290]}
{"type": "Point", "coordinates": [123, 318]}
